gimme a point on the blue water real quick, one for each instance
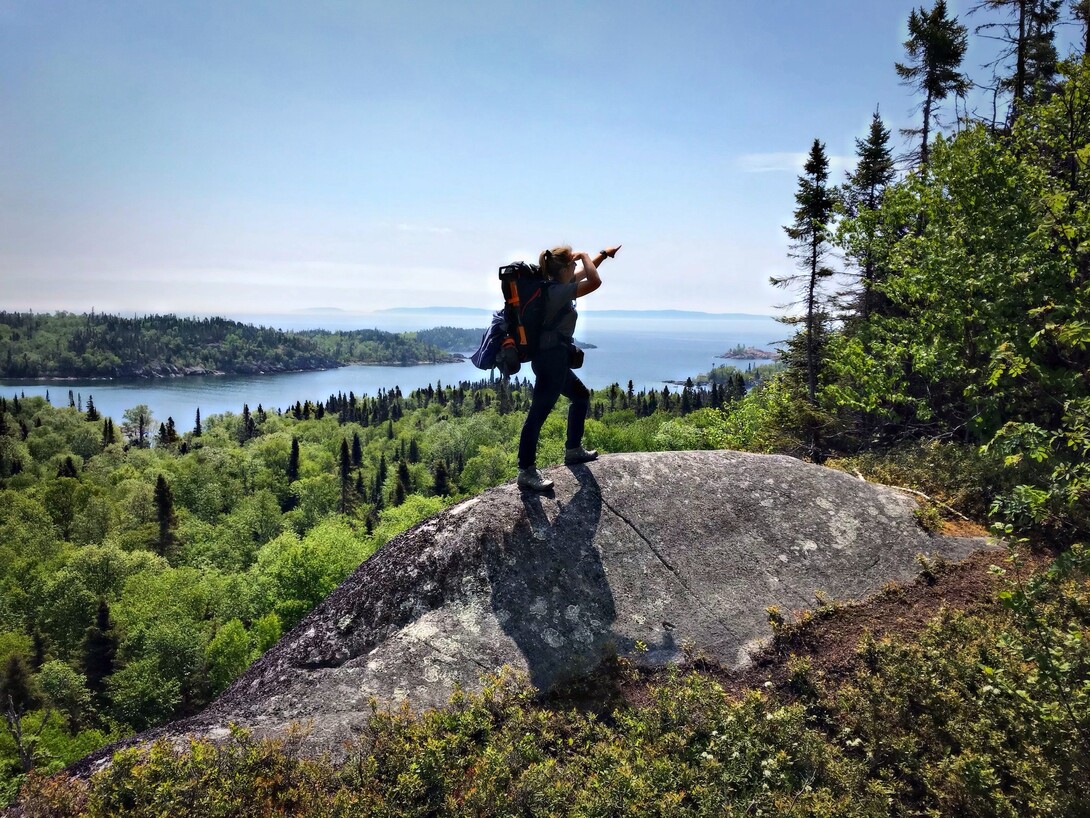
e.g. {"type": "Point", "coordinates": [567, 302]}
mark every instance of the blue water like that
{"type": "Point", "coordinates": [648, 352]}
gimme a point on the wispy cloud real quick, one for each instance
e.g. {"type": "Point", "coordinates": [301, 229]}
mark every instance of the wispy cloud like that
{"type": "Point", "coordinates": [787, 162]}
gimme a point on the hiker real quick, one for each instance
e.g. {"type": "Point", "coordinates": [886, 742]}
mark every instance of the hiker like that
{"type": "Point", "coordinates": [552, 363]}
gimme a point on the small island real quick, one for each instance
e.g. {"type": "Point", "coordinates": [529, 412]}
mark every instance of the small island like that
{"type": "Point", "coordinates": [743, 353]}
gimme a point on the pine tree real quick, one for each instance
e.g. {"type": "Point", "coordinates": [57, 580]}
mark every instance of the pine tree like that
{"type": "Point", "coordinates": [99, 650]}
{"type": "Point", "coordinates": [414, 451]}
{"type": "Point", "coordinates": [92, 412]}
{"type": "Point", "coordinates": [357, 450]}
{"type": "Point", "coordinates": [809, 235]}
{"type": "Point", "coordinates": [197, 430]}
{"type": "Point", "coordinates": [936, 46]}
{"type": "Point", "coordinates": [164, 514]}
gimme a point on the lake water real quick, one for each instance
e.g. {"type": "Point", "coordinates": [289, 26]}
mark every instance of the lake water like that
{"type": "Point", "coordinates": [647, 351]}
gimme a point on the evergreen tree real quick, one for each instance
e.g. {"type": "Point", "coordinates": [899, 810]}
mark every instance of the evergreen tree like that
{"type": "Point", "coordinates": [92, 412]}
{"type": "Point", "coordinates": [68, 469]}
{"type": "Point", "coordinates": [1080, 9]}
{"type": "Point", "coordinates": [293, 460]}
{"type": "Point", "coordinates": [809, 235]}
{"type": "Point", "coordinates": [414, 451]}
{"type": "Point", "coordinates": [197, 430]}
{"type": "Point", "coordinates": [861, 197]}
{"type": "Point", "coordinates": [346, 475]}
{"type": "Point", "coordinates": [37, 659]}
{"type": "Point", "coordinates": [382, 469]}
{"type": "Point", "coordinates": [936, 46]}
{"type": "Point", "coordinates": [357, 450]}
{"type": "Point", "coordinates": [404, 477]}
{"type": "Point", "coordinates": [1028, 33]}
{"type": "Point", "coordinates": [442, 479]}
{"type": "Point", "coordinates": [99, 651]}
{"type": "Point", "coordinates": [246, 429]}
{"type": "Point", "coordinates": [164, 515]}
{"type": "Point", "coordinates": [16, 694]}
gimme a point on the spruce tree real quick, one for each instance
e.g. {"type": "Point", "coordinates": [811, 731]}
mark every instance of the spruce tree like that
{"type": "Point", "coordinates": [197, 430]}
{"type": "Point", "coordinates": [92, 412]}
{"type": "Point", "coordinates": [346, 475]}
{"type": "Point", "coordinates": [403, 476]}
{"type": "Point", "coordinates": [99, 651]}
{"type": "Point", "coordinates": [16, 694]}
{"type": "Point", "coordinates": [293, 460]}
{"type": "Point", "coordinates": [442, 479]}
{"type": "Point", "coordinates": [862, 198]}
{"type": "Point", "coordinates": [1080, 9]}
{"type": "Point", "coordinates": [809, 235]}
{"type": "Point", "coordinates": [1028, 33]}
{"type": "Point", "coordinates": [936, 46]}
{"type": "Point", "coordinates": [164, 514]}
{"type": "Point", "coordinates": [357, 450]}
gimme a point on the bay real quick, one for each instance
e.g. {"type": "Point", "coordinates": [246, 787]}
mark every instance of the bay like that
{"type": "Point", "coordinates": [646, 350]}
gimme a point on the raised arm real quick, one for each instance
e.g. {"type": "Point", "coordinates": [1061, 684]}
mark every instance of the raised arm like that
{"type": "Point", "coordinates": [609, 252]}
{"type": "Point", "coordinates": [587, 279]}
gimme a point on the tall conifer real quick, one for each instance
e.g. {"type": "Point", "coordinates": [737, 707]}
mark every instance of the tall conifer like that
{"type": "Point", "coordinates": [164, 514]}
{"type": "Point", "coordinates": [346, 475]}
{"type": "Point", "coordinates": [936, 46]}
{"type": "Point", "coordinates": [293, 460]}
{"type": "Point", "coordinates": [862, 198]}
{"type": "Point", "coordinates": [99, 650]}
{"type": "Point", "coordinates": [809, 235]}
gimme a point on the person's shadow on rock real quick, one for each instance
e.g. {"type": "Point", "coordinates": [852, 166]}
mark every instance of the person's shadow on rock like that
{"type": "Point", "coordinates": [550, 592]}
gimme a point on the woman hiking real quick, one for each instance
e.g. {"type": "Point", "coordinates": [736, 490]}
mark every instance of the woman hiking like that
{"type": "Point", "coordinates": [552, 362]}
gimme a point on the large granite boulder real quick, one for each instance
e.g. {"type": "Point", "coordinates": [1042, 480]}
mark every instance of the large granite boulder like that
{"type": "Point", "coordinates": [650, 556]}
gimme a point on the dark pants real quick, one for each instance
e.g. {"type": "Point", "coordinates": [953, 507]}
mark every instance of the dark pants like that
{"type": "Point", "coordinates": [554, 378]}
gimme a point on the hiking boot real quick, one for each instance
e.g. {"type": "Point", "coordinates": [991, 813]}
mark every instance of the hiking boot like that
{"type": "Point", "coordinates": [533, 480]}
{"type": "Point", "coordinates": [573, 457]}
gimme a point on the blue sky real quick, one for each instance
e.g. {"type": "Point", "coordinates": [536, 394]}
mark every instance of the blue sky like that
{"type": "Point", "coordinates": [211, 157]}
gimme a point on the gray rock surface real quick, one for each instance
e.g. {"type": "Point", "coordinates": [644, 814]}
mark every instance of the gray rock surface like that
{"type": "Point", "coordinates": [678, 552]}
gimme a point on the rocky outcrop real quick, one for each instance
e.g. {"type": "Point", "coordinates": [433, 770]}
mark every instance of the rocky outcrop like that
{"type": "Point", "coordinates": [651, 556]}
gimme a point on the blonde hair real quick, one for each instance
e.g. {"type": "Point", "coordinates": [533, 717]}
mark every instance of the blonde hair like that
{"type": "Point", "coordinates": [553, 261]}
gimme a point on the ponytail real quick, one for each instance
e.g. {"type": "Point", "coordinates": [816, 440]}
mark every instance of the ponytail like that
{"type": "Point", "coordinates": [553, 261]}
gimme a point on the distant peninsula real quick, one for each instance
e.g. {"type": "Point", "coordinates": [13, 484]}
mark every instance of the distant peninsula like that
{"type": "Point", "coordinates": [95, 345]}
{"type": "Point", "coordinates": [741, 352]}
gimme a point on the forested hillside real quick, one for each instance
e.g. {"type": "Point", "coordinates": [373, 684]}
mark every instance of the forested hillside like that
{"type": "Point", "coordinates": [141, 571]}
{"type": "Point", "coordinates": [65, 345]}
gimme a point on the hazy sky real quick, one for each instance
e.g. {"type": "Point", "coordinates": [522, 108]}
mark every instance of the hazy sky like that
{"type": "Point", "coordinates": [219, 157]}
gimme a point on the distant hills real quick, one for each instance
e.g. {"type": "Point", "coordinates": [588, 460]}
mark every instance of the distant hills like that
{"type": "Point", "coordinates": [691, 314]}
